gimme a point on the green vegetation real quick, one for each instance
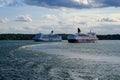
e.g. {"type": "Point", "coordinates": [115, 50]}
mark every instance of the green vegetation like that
{"type": "Point", "coordinates": [109, 37]}
{"type": "Point", "coordinates": [64, 36]}
{"type": "Point", "coordinates": [16, 36]}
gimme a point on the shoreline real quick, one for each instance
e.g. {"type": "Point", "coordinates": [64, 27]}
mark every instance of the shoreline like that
{"type": "Point", "coordinates": [64, 36]}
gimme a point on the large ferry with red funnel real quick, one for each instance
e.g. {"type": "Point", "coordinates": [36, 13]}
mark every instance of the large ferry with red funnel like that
{"type": "Point", "coordinates": [82, 38]}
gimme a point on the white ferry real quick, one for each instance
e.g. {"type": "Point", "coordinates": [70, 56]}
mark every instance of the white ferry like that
{"type": "Point", "coordinates": [47, 37]}
{"type": "Point", "coordinates": [82, 38]}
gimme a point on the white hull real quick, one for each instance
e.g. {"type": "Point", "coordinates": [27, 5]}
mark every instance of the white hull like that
{"type": "Point", "coordinates": [47, 38]}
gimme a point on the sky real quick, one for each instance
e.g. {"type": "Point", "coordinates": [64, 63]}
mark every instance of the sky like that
{"type": "Point", "coordinates": [62, 16]}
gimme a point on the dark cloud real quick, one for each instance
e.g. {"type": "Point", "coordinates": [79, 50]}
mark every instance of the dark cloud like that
{"type": "Point", "coordinates": [16, 3]}
{"type": "Point", "coordinates": [74, 3]}
{"type": "Point", "coordinates": [79, 4]}
{"type": "Point", "coordinates": [108, 3]}
{"type": "Point", "coordinates": [57, 3]}
{"type": "Point", "coordinates": [10, 3]}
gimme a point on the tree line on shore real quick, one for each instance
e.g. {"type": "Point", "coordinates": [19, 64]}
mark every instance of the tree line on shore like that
{"type": "Point", "coordinates": [64, 36]}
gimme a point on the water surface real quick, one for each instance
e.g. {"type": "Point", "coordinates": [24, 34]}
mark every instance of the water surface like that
{"type": "Point", "coordinates": [24, 60]}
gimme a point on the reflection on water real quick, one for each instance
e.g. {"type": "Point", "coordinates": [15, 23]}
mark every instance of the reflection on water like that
{"type": "Point", "coordinates": [100, 51]}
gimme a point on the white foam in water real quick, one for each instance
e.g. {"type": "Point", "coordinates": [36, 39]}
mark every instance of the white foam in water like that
{"type": "Point", "coordinates": [50, 48]}
{"type": "Point", "coordinates": [97, 57]}
{"type": "Point", "coordinates": [89, 53]}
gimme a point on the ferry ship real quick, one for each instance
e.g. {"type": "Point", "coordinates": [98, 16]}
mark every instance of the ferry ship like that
{"type": "Point", "coordinates": [47, 37]}
{"type": "Point", "coordinates": [82, 38]}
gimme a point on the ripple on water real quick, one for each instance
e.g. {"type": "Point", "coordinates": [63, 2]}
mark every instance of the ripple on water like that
{"type": "Point", "coordinates": [78, 62]}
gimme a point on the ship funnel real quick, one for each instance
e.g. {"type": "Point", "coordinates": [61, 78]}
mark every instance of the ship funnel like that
{"type": "Point", "coordinates": [52, 32]}
{"type": "Point", "coordinates": [79, 30]}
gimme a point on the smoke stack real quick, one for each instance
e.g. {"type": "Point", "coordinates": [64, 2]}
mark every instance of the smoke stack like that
{"type": "Point", "coordinates": [52, 32]}
{"type": "Point", "coordinates": [79, 30]}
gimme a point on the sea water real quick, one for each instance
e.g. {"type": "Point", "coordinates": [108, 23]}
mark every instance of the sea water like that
{"type": "Point", "coordinates": [28, 60]}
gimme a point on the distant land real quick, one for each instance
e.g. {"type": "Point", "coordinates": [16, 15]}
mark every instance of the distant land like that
{"type": "Point", "coordinates": [64, 36]}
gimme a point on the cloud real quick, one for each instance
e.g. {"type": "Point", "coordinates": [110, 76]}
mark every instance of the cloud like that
{"type": "Point", "coordinates": [79, 4]}
{"type": "Point", "coordinates": [107, 20]}
{"type": "Point", "coordinates": [57, 3]}
{"type": "Point", "coordinates": [107, 29]}
{"type": "Point", "coordinates": [50, 17]}
{"type": "Point", "coordinates": [5, 20]}
{"type": "Point", "coordinates": [11, 3]}
{"type": "Point", "coordinates": [108, 3]}
{"type": "Point", "coordinates": [82, 23]}
{"type": "Point", "coordinates": [47, 27]}
{"type": "Point", "coordinates": [23, 18]}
